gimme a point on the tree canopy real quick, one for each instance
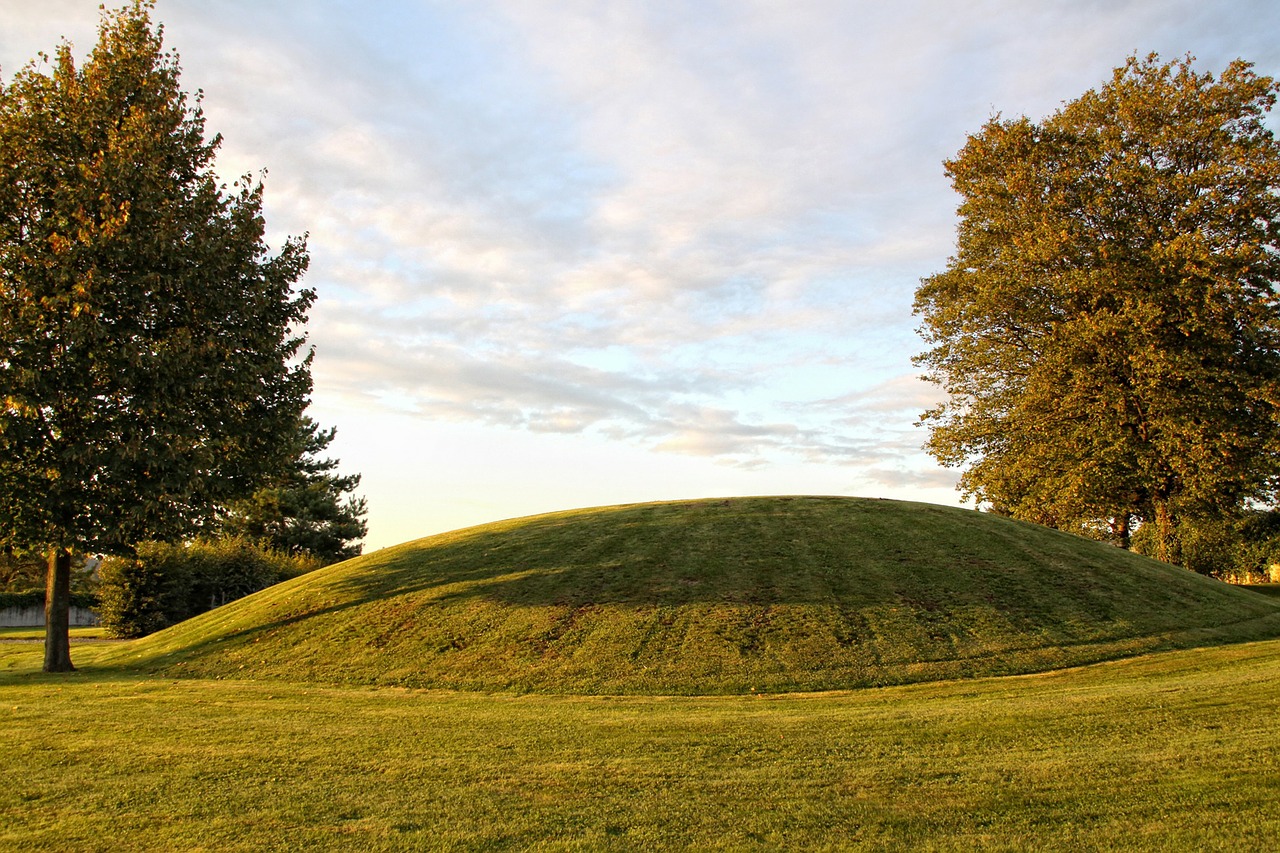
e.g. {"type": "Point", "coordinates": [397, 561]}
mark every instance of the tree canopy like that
{"type": "Point", "coordinates": [309, 509]}
{"type": "Point", "coordinates": [151, 367]}
{"type": "Point", "coordinates": [1108, 333]}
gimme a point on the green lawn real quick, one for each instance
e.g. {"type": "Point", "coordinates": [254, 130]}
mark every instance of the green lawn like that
{"type": "Point", "coordinates": [1174, 751]}
{"type": "Point", "coordinates": [774, 594]}
{"type": "Point", "coordinates": [582, 651]}
{"type": "Point", "coordinates": [37, 634]}
{"type": "Point", "coordinates": [1272, 589]}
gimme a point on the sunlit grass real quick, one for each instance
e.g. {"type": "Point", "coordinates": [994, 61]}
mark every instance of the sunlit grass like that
{"type": "Point", "coordinates": [717, 596]}
{"type": "Point", "coordinates": [1164, 752]}
{"type": "Point", "coordinates": [299, 717]}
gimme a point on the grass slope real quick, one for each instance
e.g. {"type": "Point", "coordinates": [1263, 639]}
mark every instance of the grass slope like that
{"type": "Point", "coordinates": [733, 596]}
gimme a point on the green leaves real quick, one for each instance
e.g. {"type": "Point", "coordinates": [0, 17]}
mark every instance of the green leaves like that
{"type": "Point", "coordinates": [1107, 331]}
{"type": "Point", "coordinates": [150, 366]}
{"type": "Point", "coordinates": [309, 509]}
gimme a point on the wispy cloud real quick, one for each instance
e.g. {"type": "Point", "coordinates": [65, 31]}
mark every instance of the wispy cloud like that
{"type": "Point", "coordinates": [645, 219]}
{"type": "Point", "coordinates": [693, 228]}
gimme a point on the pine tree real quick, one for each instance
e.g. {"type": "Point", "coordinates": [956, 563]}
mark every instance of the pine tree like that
{"type": "Point", "coordinates": [310, 509]}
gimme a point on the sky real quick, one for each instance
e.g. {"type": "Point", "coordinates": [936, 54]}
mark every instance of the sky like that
{"type": "Point", "coordinates": [572, 253]}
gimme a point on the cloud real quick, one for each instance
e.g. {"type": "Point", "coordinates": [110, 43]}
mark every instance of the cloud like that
{"type": "Point", "coordinates": [731, 194]}
{"type": "Point", "coordinates": [896, 395]}
{"type": "Point", "coordinates": [903, 477]}
{"type": "Point", "coordinates": [695, 228]}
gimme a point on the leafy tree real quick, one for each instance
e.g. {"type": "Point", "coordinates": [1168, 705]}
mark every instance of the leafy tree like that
{"type": "Point", "coordinates": [310, 509]}
{"type": "Point", "coordinates": [1108, 332]}
{"type": "Point", "coordinates": [21, 572]}
{"type": "Point", "coordinates": [149, 365]}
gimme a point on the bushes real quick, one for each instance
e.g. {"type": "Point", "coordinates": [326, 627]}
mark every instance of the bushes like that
{"type": "Point", "coordinates": [1260, 548]}
{"type": "Point", "coordinates": [35, 598]}
{"type": "Point", "coordinates": [1238, 549]}
{"type": "Point", "coordinates": [137, 594]}
{"type": "Point", "coordinates": [163, 584]}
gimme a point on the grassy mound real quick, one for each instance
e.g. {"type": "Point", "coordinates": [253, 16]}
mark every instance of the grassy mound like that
{"type": "Point", "coordinates": [721, 596]}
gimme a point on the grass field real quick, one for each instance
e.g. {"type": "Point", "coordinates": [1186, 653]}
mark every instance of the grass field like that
{"type": "Point", "coordinates": [719, 596]}
{"type": "Point", "coordinates": [1174, 751]}
{"type": "Point", "coordinates": [632, 678]}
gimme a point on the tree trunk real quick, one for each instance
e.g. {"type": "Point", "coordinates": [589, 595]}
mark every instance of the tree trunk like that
{"type": "Point", "coordinates": [57, 613]}
{"type": "Point", "coordinates": [1165, 538]}
{"type": "Point", "coordinates": [1121, 534]}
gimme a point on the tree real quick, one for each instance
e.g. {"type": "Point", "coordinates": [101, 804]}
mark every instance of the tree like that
{"type": "Point", "coordinates": [150, 364]}
{"type": "Point", "coordinates": [308, 510]}
{"type": "Point", "coordinates": [21, 572]}
{"type": "Point", "coordinates": [1108, 333]}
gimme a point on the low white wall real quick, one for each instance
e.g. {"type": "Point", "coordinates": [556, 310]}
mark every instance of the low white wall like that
{"type": "Point", "coordinates": [33, 617]}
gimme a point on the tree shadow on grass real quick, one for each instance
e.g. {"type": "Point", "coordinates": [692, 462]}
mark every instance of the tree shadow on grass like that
{"type": "Point", "coordinates": [935, 566]}
{"type": "Point", "coordinates": [802, 551]}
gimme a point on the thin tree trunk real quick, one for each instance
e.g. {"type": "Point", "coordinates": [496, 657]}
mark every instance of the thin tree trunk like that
{"type": "Point", "coordinates": [57, 613]}
{"type": "Point", "coordinates": [1121, 533]}
{"type": "Point", "coordinates": [1165, 540]}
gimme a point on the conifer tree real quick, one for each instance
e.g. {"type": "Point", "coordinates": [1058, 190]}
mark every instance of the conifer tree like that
{"type": "Point", "coordinates": [309, 509]}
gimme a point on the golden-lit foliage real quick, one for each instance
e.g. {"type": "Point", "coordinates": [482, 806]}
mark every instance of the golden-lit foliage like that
{"type": "Point", "coordinates": [1107, 331]}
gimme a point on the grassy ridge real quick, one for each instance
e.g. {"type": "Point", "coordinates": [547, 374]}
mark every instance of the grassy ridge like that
{"type": "Point", "coordinates": [1174, 751]}
{"type": "Point", "coordinates": [735, 596]}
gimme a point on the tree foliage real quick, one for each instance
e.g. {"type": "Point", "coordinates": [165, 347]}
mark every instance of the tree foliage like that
{"type": "Point", "coordinates": [21, 572]}
{"type": "Point", "coordinates": [1107, 333]}
{"type": "Point", "coordinates": [149, 358]}
{"type": "Point", "coordinates": [310, 509]}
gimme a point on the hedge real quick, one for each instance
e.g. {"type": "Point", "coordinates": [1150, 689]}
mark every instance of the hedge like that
{"type": "Point", "coordinates": [35, 598]}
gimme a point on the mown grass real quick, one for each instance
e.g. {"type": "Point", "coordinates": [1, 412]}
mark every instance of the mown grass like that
{"type": "Point", "coordinates": [37, 634]}
{"type": "Point", "coordinates": [298, 717]}
{"type": "Point", "coordinates": [1272, 589]}
{"type": "Point", "coordinates": [1173, 751]}
{"type": "Point", "coordinates": [716, 596]}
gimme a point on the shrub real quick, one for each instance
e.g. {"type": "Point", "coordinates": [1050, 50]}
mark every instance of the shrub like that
{"type": "Point", "coordinates": [1260, 548]}
{"type": "Point", "coordinates": [1238, 549]}
{"type": "Point", "coordinates": [35, 598]}
{"type": "Point", "coordinates": [163, 583]}
{"type": "Point", "coordinates": [141, 594]}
